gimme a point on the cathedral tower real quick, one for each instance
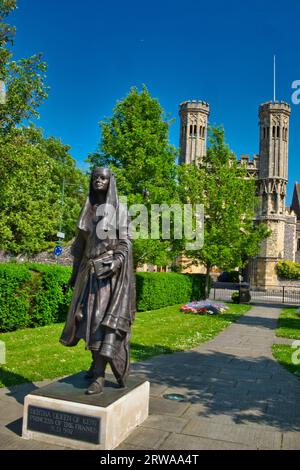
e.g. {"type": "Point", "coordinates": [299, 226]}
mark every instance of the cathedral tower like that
{"type": "Point", "coordinates": [274, 136]}
{"type": "Point", "coordinates": [271, 188]}
{"type": "Point", "coordinates": [193, 130]}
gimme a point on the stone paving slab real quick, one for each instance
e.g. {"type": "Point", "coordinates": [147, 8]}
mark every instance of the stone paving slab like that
{"type": "Point", "coordinates": [147, 437]}
{"type": "Point", "coordinates": [10, 442]}
{"type": "Point", "coordinates": [166, 423]}
{"type": "Point", "coordinates": [179, 442]}
{"type": "Point", "coordinates": [259, 437]}
{"type": "Point", "coordinates": [162, 406]}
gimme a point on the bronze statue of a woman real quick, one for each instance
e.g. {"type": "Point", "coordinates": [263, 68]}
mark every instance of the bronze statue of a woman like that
{"type": "Point", "coordinates": [103, 303]}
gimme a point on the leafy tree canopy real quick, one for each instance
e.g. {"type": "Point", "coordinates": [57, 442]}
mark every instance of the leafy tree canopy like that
{"type": "Point", "coordinates": [135, 145]}
{"type": "Point", "coordinates": [32, 169]}
{"type": "Point", "coordinates": [24, 79]}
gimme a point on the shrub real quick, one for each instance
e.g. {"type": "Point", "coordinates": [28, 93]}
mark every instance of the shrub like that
{"type": "Point", "coordinates": [157, 290]}
{"type": "Point", "coordinates": [53, 296]}
{"type": "Point", "coordinates": [235, 297]}
{"type": "Point", "coordinates": [15, 290]}
{"type": "Point", "coordinates": [33, 294]}
{"type": "Point", "coordinates": [288, 269]}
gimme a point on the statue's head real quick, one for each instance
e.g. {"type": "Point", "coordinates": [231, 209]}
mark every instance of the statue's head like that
{"type": "Point", "coordinates": [101, 183]}
{"type": "Point", "coordinates": [100, 179]}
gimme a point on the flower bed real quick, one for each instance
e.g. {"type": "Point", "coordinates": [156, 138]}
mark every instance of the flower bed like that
{"type": "Point", "coordinates": [204, 306]}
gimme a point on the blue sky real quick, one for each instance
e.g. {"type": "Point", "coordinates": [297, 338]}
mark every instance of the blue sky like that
{"type": "Point", "coordinates": [221, 52]}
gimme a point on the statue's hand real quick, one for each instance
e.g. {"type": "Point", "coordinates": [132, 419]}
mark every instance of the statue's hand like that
{"type": "Point", "coordinates": [115, 265]}
{"type": "Point", "coordinates": [112, 267]}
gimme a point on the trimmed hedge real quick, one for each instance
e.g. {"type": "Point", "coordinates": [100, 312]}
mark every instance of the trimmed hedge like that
{"type": "Point", "coordinates": [157, 290]}
{"type": "Point", "coordinates": [288, 269]}
{"type": "Point", "coordinates": [15, 286]}
{"type": "Point", "coordinates": [53, 296]}
{"type": "Point", "coordinates": [33, 294]}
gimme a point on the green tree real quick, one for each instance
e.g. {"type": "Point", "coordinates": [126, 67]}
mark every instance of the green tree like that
{"type": "Point", "coordinates": [24, 79]}
{"type": "Point", "coordinates": [135, 145]}
{"type": "Point", "coordinates": [31, 172]}
{"type": "Point", "coordinates": [228, 196]}
{"type": "Point", "coordinates": [27, 212]}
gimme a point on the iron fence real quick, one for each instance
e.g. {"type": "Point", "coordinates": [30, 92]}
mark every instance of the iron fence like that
{"type": "Point", "coordinates": [276, 294]}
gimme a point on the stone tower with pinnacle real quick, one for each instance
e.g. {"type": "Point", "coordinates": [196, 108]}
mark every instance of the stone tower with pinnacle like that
{"type": "Point", "coordinates": [273, 152]}
{"type": "Point", "coordinates": [271, 188]}
{"type": "Point", "coordinates": [193, 130]}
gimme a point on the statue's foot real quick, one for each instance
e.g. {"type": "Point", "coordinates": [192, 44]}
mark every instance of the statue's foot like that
{"type": "Point", "coordinates": [96, 387]}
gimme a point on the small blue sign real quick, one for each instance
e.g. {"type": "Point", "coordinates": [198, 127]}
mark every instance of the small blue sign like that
{"type": "Point", "coordinates": [58, 250]}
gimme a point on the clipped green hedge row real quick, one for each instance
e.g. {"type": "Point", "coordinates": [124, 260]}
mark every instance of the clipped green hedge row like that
{"type": "Point", "coordinates": [157, 290]}
{"type": "Point", "coordinates": [53, 296]}
{"type": "Point", "coordinates": [15, 284]}
{"type": "Point", "coordinates": [34, 294]}
{"type": "Point", "coordinates": [288, 269]}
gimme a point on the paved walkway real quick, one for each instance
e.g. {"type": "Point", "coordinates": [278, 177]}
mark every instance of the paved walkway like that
{"type": "Point", "coordinates": [238, 396]}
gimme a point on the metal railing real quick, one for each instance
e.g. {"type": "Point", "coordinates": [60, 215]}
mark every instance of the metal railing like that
{"type": "Point", "coordinates": [276, 294]}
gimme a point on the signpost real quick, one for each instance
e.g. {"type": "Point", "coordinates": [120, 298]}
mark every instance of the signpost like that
{"type": "Point", "coordinates": [58, 250]}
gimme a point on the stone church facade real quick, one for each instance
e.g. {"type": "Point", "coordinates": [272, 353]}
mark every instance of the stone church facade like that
{"type": "Point", "coordinates": [270, 169]}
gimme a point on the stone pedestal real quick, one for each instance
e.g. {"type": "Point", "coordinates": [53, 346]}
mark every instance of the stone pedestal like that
{"type": "Point", "coordinates": [61, 413]}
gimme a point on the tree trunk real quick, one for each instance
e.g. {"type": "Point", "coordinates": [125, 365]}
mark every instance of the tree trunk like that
{"type": "Point", "coordinates": [207, 278]}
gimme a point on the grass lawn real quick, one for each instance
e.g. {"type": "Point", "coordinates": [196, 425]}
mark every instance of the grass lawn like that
{"type": "Point", "coordinates": [283, 353]}
{"type": "Point", "coordinates": [35, 354]}
{"type": "Point", "coordinates": [288, 324]}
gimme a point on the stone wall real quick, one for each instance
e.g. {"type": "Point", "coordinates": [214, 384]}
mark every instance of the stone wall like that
{"type": "Point", "coordinates": [289, 282]}
{"type": "Point", "coordinates": [290, 242]}
{"type": "Point", "coordinates": [297, 254]}
{"type": "Point", "coordinates": [266, 272]}
{"type": "Point", "coordinates": [45, 257]}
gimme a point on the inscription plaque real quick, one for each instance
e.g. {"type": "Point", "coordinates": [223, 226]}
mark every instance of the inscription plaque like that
{"type": "Point", "coordinates": [63, 424]}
